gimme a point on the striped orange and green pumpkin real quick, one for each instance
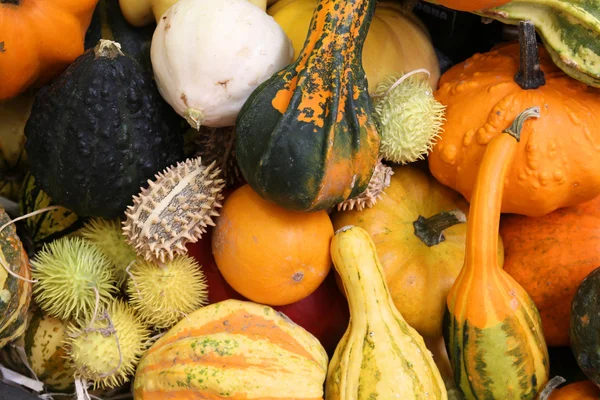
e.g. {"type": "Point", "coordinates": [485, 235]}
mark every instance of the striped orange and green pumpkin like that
{"type": "Point", "coordinates": [15, 293]}
{"type": "Point", "coordinates": [47, 226]}
{"type": "Point", "coordinates": [306, 137]}
{"type": "Point", "coordinates": [235, 350]}
{"type": "Point", "coordinates": [380, 355]}
{"type": "Point", "coordinates": [492, 329]}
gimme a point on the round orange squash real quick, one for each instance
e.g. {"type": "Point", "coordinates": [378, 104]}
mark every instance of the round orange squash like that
{"type": "Point", "coordinates": [39, 39]}
{"type": "Point", "coordinates": [269, 254]}
{"type": "Point", "coordinates": [550, 256]}
{"type": "Point", "coordinates": [558, 158]}
{"type": "Point", "coordinates": [235, 350]}
{"type": "Point", "coordinates": [419, 274]}
{"type": "Point", "coordinates": [583, 390]}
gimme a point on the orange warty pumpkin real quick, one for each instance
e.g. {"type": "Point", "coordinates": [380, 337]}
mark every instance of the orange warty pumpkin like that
{"type": "Point", "coordinates": [269, 254]}
{"type": "Point", "coordinates": [469, 5]}
{"type": "Point", "coordinates": [39, 39]}
{"type": "Point", "coordinates": [558, 159]}
{"type": "Point", "coordinates": [550, 256]}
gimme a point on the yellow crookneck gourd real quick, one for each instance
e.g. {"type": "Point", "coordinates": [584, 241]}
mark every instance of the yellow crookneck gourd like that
{"type": "Point", "coordinates": [492, 329]}
{"type": "Point", "coordinates": [144, 12]}
{"type": "Point", "coordinates": [380, 355]}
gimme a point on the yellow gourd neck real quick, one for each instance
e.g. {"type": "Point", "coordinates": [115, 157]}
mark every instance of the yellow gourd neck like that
{"type": "Point", "coordinates": [483, 224]}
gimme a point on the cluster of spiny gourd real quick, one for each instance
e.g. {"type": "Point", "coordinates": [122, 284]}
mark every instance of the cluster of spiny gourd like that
{"type": "Point", "coordinates": [79, 278]}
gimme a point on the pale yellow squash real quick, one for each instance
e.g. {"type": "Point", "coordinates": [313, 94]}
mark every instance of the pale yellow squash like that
{"type": "Point", "coordinates": [397, 40]}
{"type": "Point", "coordinates": [380, 355]}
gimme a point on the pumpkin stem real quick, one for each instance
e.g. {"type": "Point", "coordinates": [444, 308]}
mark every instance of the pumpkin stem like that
{"type": "Point", "coordinates": [108, 48]}
{"type": "Point", "coordinates": [431, 230]}
{"type": "Point", "coordinates": [551, 386]}
{"type": "Point", "coordinates": [530, 75]}
{"type": "Point", "coordinates": [194, 117]}
{"type": "Point", "coordinates": [515, 128]}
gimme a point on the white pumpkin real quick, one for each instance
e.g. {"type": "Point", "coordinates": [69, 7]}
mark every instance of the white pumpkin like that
{"type": "Point", "coordinates": [208, 56]}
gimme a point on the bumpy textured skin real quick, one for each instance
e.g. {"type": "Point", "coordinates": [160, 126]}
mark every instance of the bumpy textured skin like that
{"type": "Point", "coordinates": [306, 138]}
{"type": "Point", "coordinates": [585, 319]}
{"type": "Point", "coordinates": [98, 132]}
{"type": "Point", "coordinates": [380, 355]}
{"type": "Point", "coordinates": [15, 294]}
{"type": "Point", "coordinates": [234, 350]}
{"type": "Point", "coordinates": [558, 157]}
{"type": "Point", "coordinates": [570, 30]}
{"type": "Point", "coordinates": [175, 209]}
{"type": "Point", "coordinates": [492, 329]}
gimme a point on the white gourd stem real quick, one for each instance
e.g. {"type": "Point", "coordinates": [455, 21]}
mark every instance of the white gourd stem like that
{"type": "Point", "coordinates": [31, 214]}
{"type": "Point", "coordinates": [402, 79]}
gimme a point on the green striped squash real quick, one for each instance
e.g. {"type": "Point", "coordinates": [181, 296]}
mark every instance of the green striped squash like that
{"type": "Point", "coordinates": [235, 350]}
{"type": "Point", "coordinates": [46, 355]}
{"type": "Point", "coordinates": [47, 226]}
{"type": "Point", "coordinates": [380, 355]}
{"type": "Point", "coordinates": [570, 30]}
{"type": "Point", "coordinates": [15, 294]}
{"type": "Point", "coordinates": [492, 329]}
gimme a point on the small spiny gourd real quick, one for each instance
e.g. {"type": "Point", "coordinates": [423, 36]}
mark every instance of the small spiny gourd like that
{"type": "Point", "coordinates": [380, 181]}
{"type": "Point", "coordinates": [409, 117]}
{"type": "Point", "coordinates": [105, 351]}
{"type": "Point", "coordinates": [70, 273]}
{"type": "Point", "coordinates": [175, 209]}
{"type": "Point", "coordinates": [218, 145]}
{"type": "Point", "coordinates": [163, 295]}
{"type": "Point", "coordinates": [107, 235]}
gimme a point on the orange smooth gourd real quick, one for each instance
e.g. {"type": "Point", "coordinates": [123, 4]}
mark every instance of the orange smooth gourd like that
{"type": "Point", "coordinates": [39, 39]}
{"type": "Point", "coordinates": [269, 254]}
{"type": "Point", "coordinates": [550, 256]}
{"type": "Point", "coordinates": [558, 158]}
{"type": "Point", "coordinates": [583, 390]}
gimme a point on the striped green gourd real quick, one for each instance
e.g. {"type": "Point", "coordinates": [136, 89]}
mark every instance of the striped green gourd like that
{"type": "Point", "coordinates": [380, 355]}
{"type": "Point", "coordinates": [492, 329]}
{"type": "Point", "coordinates": [570, 30]}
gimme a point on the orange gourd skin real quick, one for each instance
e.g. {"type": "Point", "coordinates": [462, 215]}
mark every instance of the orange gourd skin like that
{"type": "Point", "coordinates": [269, 254]}
{"type": "Point", "coordinates": [584, 390]}
{"type": "Point", "coordinates": [39, 39]}
{"type": "Point", "coordinates": [558, 158]}
{"type": "Point", "coordinates": [550, 256]}
{"type": "Point", "coordinates": [470, 5]}
{"type": "Point", "coordinates": [492, 329]}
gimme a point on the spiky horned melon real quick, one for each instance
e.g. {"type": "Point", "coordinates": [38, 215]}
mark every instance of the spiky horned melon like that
{"type": "Point", "coordinates": [175, 209]}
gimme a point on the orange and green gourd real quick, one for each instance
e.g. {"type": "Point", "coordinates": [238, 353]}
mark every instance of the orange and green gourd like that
{"type": "Point", "coordinates": [306, 137]}
{"type": "Point", "coordinates": [492, 329]}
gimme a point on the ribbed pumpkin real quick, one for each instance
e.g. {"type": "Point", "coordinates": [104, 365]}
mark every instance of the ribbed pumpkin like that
{"type": "Point", "coordinates": [420, 266]}
{"type": "Point", "coordinates": [492, 329]}
{"type": "Point", "coordinates": [549, 256]}
{"type": "Point", "coordinates": [233, 350]}
{"type": "Point", "coordinates": [380, 355]}
{"type": "Point", "coordinates": [39, 39]}
{"type": "Point", "coordinates": [397, 40]}
{"type": "Point", "coordinates": [306, 137]}
{"type": "Point", "coordinates": [15, 293]}
{"type": "Point", "coordinates": [551, 169]}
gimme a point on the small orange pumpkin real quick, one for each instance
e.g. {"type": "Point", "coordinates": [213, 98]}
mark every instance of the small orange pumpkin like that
{"type": "Point", "coordinates": [558, 158]}
{"type": "Point", "coordinates": [550, 256]}
{"type": "Point", "coordinates": [469, 5]}
{"type": "Point", "coordinates": [583, 390]}
{"type": "Point", "coordinates": [269, 254]}
{"type": "Point", "coordinates": [39, 39]}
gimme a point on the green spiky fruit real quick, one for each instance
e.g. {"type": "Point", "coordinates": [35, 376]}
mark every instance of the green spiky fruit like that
{"type": "Point", "coordinates": [163, 295]}
{"type": "Point", "coordinates": [67, 270]}
{"type": "Point", "coordinates": [107, 350]}
{"type": "Point", "coordinates": [108, 236]}
{"type": "Point", "coordinates": [409, 118]}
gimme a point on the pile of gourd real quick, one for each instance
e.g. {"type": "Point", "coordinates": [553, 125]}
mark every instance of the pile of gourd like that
{"type": "Point", "coordinates": [242, 199]}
